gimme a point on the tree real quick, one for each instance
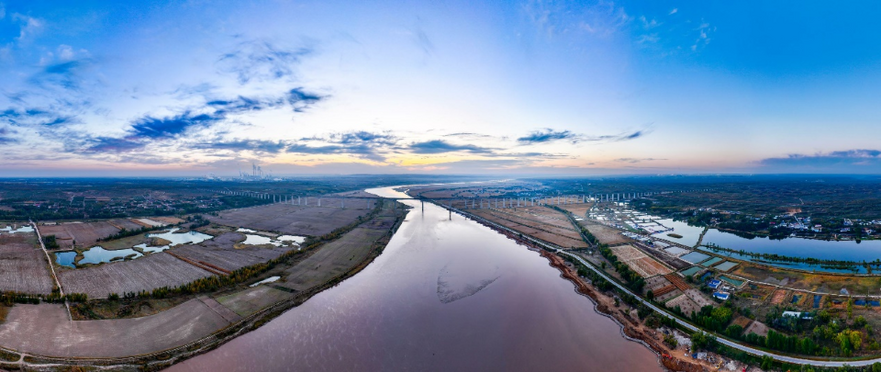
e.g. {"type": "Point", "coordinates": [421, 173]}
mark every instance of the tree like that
{"type": "Point", "coordinates": [671, 341]}
{"type": "Point", "coordinates": [650, 295]}
{"type": "Point", "coordinates": [734, 331]}
{"type": "Point", "coordinates": [849, 308]}
{"type": "Point", "coordinates": [50, 242]}
{"type": "Point", "coordinates": [702, 340]}
{"type": "Point", "coordinates": [767, 362]}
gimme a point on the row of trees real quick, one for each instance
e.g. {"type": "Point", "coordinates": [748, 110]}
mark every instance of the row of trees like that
{"type": "Point", "coordinates": [12, 298]}
{"type": "Point", "coordinates": [782, 258]}
{"type": "Point", "coordinates": [590, 238]}
{"type": "Point", "coordinates": [124, 233]}
{"type": "Point", "coordinates": [633, 279]}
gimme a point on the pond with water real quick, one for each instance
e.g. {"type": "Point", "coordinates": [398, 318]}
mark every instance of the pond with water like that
{"type": "Point", "coordinates": [190, 237]}
{"type": "Point", "coordinates": [98, 254]}
{"type": "Point", "coordinates": [94, 255]}
{"type": "Point", "coordinates": [254, 239]}
{"type": "Point", "coordinates": [445, 295]}
{"type": "Point", "coordinates": [20, 229]}
{"type": "Point", "coordinates": [850, 250]}
{"type": "Point", "coordinates": [65, 258]}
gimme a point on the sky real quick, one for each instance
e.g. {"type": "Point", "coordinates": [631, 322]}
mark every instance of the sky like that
{"type": "Point", "coordinates": [190, 88]}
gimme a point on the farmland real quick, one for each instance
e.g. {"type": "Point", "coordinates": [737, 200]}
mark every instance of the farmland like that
{"type": "Point", "coordinates": [23, 266]}
{"type": "Point", "coordinates": [333, 259]}
{"type": "Point", "coordinates": [291, 219]}
{"type": "Point", "coordinates": [45, 329]}
{"type": "Point", "coordinates": [219, 252]}
{"type": "Point", "coordinates": [604, 234]}
{"type": "Point", "coordinates": [144, 274]}
{"type": "Point", "coordinates": [81, 234]}
{"type": "Point", "coordinates": [641, 263]}
{"type": "Point", "coordinates": [540, 222]}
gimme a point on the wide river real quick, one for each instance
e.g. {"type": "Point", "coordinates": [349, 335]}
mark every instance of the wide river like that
{"type": "Point", "coordinates": [445, 295]}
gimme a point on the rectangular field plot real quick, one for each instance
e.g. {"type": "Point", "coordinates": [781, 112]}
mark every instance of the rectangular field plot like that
{"type": "Point", "coordinates": [84, 234]}
{"type": "Point", "coordinates": [23, 266]}
{"type": "Point", "coordinates": [691, 270]}
{"type": "Point", "coordinates": [726, 266]}
{"type": "Point", "coordinates": [675, 251]}
{"type": "Point", "coordinates": [291, 219]}
{"type": "Point", "coordinates": [711, 262]}
{"type": "Point", "coordinates": [332, 259]}
{"type": "Point", "coordinates": [603, 233]}
{"type": "Point", "coordinates": [542, 226]}
{"type": "Point", "coordinates": [695, 257]}
{"type": "Point", "coordinates": [219, 252]}
{"type": "Point", "coordinates": [640, 262]}
{"type": "Point", "coordinates": [146, 273]}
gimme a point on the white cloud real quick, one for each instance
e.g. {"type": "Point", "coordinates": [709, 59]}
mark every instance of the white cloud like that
{"type": "Point", "coordinates": [2, 11]}
{"type": "Point", "coordinates": [63, 53]}
{"type": "Point", "coordinates": [602, 19]}
{"type": "Point", "coordinates": [648, 38]}
{"type": "Point", "coordinates": [648, 24]}
{"type": "Point", "coordinates": [30, 26]}
{"type": "Point", "coordinates": [67, 53]}
{"type": "Point", "coordinates": [703, 35]}
{"type": "Point", "coordinates": [674, 11]}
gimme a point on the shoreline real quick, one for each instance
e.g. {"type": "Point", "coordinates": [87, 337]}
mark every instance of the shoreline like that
{"type": "Point", "coordinates": [603, 304]}
{"type": "Point", "coordinates": [165, 358]}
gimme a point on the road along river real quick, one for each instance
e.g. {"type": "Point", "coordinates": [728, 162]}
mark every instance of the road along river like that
{"type": "Point", "coordinates": [446, 294]}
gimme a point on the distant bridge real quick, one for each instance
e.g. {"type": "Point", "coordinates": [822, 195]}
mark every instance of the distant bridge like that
{"type": "Point", "coordinates": [467, 202]}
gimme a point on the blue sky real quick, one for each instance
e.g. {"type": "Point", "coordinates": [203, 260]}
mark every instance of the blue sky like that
{"type": "Point", "coordinates": [193, 87]}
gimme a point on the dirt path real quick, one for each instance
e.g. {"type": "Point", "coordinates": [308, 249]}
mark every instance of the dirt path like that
{"type": "Point", "coordinates": [52, 268]}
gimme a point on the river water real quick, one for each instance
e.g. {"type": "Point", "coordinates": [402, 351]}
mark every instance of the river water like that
{"type": "Point", "coordinates": [445, 295]}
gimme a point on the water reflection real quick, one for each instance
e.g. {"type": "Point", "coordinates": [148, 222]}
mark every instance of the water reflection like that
{"type": "Point", "coordinates": [97, 254]}
{"type": "Point", "coordinates": [190, 237]}
{"type": "Point", "coordinates": [65, 258]}
{"type": "Point", "coordinates": [21, 229]}
{"type": "Point", "coordinates": [444, 296]}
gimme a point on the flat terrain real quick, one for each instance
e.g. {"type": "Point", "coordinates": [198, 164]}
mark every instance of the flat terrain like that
{"type": "Point", "coordinates": [85, 234]}
{"type": "Point", "coordinates": [539, 222]}
{"type": "Point", "coordinates": [825, 283]}
{"type": "Point", "coordinates": [685, 304]}
{"type": "Point", "coordinates": [603, 233]}
{"type": "Point", "coordinates": [251, 300]}
{"type": "Point", "coordinates": [579, 209]}
{"type": "Point", "coordinates": [146, 273]}
{"type": "Point", "coordinates": [219, 252]}
{"type": "Point", "coordinates": [44, 329]}
{"type": "Point", "coordinates": [644, 265]}
{"type": "Point", "coordinates": [23, 266]}
{"type": "Point", "coordinates": [663, 256]}
{"type": "Point", "coordinates": [334, 259]}
{"type": "Point", "coordinates": [291, 219]}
